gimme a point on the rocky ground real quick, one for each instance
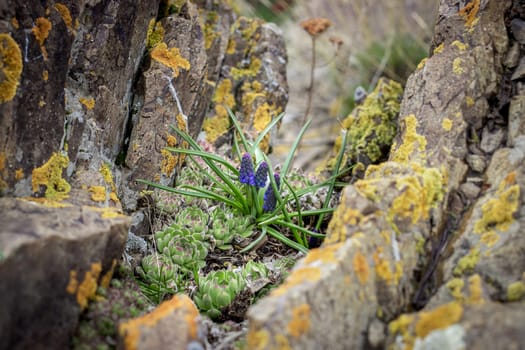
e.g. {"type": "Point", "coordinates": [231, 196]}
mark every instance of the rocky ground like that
{"type": "Point", "coordinates": [423, 250]}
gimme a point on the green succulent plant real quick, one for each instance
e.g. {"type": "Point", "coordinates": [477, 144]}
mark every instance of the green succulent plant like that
{"type": "Point", "coordinates": [187, 252]}
{"type": "Point", "coordinates": [160, 276]}
{"type": "Point", "coordinates": [194, 218]}
{"type": "Point", "coordinates": [227, 225]}
{"type": "Point", "coordinates": [253, 271]}
{"type": "Point", "coordinates": [175, 231]}
{"type": "Point", "coordinates": [217, 290]}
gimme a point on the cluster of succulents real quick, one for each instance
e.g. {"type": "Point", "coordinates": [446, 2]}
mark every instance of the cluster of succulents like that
{"type": "Point", "coordinates": [219, 288]}
{"type": "Point", "coordinates": [184, 246]}
{"type": "Point", "coordinates": [227, 225]}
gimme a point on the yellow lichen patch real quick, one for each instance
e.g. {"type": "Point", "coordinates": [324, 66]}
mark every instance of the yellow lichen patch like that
{"type": "Point", "coordinates": [467, 263]}
{"type": "Point", "coordinates": [439, 318]}
{"type": "Point", "coordinates": [45, 75]}
{"type": "Point", "coordinates": [368, 188]}
{"type": "Point", "coordinates": [230, 50]}
{"type": "Point", "coordinates": [86, 289]}
{"type": "Point", "coordinates": [170, 58]}
{"type": "Point", "coordinates": [326, 254]}
{"type": "Point", "coordinates": [456, 66]}
{"type": "Point", "coordinates": [282, 342]}
{"type": "Point", "coordinates": [361, 267]}
{"type": "Point", "coordinates": [455, 286]}
{"type": "Point", "coordinates": [301, 275]}
{"type": "Point", "coordinates": [475, 290]}
{"type": "Point", "coordinates": [65, 14]}
{"type": "Point", "coordinates": [439, 48]}
{"type": "Point", "coordinates": [300, 322]}
{"type": "Point", "coordinates": [10, 67]}
{"type": "Point", "coordinates": [342, 216]}
{"type": "Point", "coordinates": [131, 330]}
{"type": "Point", "coordinates": [105, 171]}
{"type": "Point", "coordinates": [461, 46]}
{"type": "Point", "coordinates": [383, 269]}
{"type": "Point", "coordinates": [469, 13]}
{"type": "Point", "coordinates": [412, 141]}
{"type": "Point", "coordinates": [88, 102]}
{"type": "Point", "coordinates": [98, 193]}
{"type": "Point", "coordinates": [155, 34]}
{"type": "Point", "coordinates": [401, 325]}
{"type": "Point", "coordinates": [422, 63]}
{"type": "Point", "coordinates": [447, 124]}
{"type": "Point", "coordinates": [469, 101]}
{"type": "Point", "coordinates": [257, 340]}
{"type": "Point", "coordinates": [251, 71]}
{"type": "Point", "coordinates": [47, 202]}
{"type": "Point", "coordinates": [489, 238]}
{"type": "Point", "coordinates": [50, 176]}
{"type": "Point", "coordinates": [219, 124]}
{"type": "Point", "coordinates": [104, 281]}
{"type": "Point", "coordinates": [516, 291]}
{"type": "Point", "coordinates": [498, 212]}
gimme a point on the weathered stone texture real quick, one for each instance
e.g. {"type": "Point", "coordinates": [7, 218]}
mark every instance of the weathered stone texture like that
{"type": "Point", "coordinates": [52, 260]}
{"type": "Point", "coordinates": [174, 324]}
{"type": "Point", "coordinates": [386, 240]}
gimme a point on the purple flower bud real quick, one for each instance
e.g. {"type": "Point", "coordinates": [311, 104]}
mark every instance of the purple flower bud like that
{"type": "Point", "coordinates": [261, 174]}
{"type": "Point", "coordinates": [246, 175]}
{"type": "Point", "coordinates": [269, 195]}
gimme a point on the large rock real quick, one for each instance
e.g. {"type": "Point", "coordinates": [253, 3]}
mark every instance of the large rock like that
{"type": "Point", "coordinates": [383, 253]}
{"type": "Point", "coordinates": [51, 262]}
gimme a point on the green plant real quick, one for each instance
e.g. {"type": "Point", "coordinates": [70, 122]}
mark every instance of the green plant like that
{"type": "Point", "coordinates": [226, 225]}
{"type": "Point", "coordinates": [217, 290]}
{"type": "Point", "coordinates": [254, 190]}
{"type": "Point", "coordinates": [159, 277]}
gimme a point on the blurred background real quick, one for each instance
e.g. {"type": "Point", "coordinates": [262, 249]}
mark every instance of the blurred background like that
{"type": "Point", "coordinates": [366, 40]}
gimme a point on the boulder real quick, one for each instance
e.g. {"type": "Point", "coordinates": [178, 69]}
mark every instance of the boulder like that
{"type": "Point", "coordinates": [425, 228]}
{"type": "Point", "coordinates": [52, 259]}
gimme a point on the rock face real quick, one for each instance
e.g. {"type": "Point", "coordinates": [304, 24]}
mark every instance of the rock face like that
{"type": "Point", "coordinates": [88, 93]}
{"type": "Point", "coordinates": [52, 261]}
{"type": "Point", "coordinates": [434, 227]}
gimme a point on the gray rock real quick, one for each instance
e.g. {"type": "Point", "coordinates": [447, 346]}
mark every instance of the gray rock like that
{"type": "Point", "coordinates": [52, 261]}
{"type": "Point", "coordinates": [491, 140]}
{"type": "Point", "coordinates": [517, 27]}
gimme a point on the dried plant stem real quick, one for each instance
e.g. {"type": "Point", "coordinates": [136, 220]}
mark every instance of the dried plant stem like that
{"type": "Point", "coordinates": [311, 87]}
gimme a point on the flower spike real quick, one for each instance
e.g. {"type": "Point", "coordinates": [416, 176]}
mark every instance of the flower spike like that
{"type": "Point", "coordinates": [261, 174]}
{"type": "Point", "coordinates": [246, 175]}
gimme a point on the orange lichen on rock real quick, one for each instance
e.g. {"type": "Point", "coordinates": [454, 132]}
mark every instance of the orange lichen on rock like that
{"type": "Point", "coordinates": [325, 254]}
{"type": "Point", "coordinates": [41, 32]}
{"type": "Point", "coordinates": [300, 322]}
{"type": "Point", "coordinates": [438, 318]}
{"type": "Point", "coordinates": [361, 267]}
{"type": "Point", "coordinates": [257, 340]}
{"type": "Point", "coordinates": [10, 67]}
{"type": "Point", "coordinates": [412, 141]}
{"type": "Point", "coordinates": [86, 289]}
{"type": "Point", "coordinates": [469, 13]}
{"type": "Point", "coordinates": [219, 124]}
{"type": "Point", "coordinates": [170, 58]}
{"type": "Point", "coordinates": [131, 330]}
{"type": "Point", "coordinates": [342, 216]}
{"type": "Point", "coordinates": [63, 11]}
{"type": "Point", "coordinates": [104, 281]}
{"type": "Point", "coordinates": [383, 269]}
{"type": "Point", "coordinates": [297, 277]}
{"type": "Point", "coordinates": [50, 176]}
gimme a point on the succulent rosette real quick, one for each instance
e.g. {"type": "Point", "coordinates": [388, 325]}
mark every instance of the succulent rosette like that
{"type": "Point", "coordinates": [218, 290]}
{"type": "Point", "coordinates": [158, 270]}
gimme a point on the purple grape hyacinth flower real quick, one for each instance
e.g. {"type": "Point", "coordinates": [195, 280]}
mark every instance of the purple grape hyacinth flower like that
{"type": "Point", "coordinates": [246, 175]}
{"type": "Point", "coordinates": [261, 174]}
{"type": "Point", "coordinates": [269, 195]}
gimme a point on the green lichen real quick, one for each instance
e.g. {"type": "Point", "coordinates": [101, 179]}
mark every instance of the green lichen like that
{"type": "Point", "coordinates": [372, 125]}
{"type": "Point", "coordinates": [467, 263]}
{"type": "Point", "coordinates": [516, 291]}
{"type": "Point", "coordinates": [50, 176]}
{"type": "Point", "coordinates": [10, 67]}
{"type": "Point", "coordinates": [155, 34]}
